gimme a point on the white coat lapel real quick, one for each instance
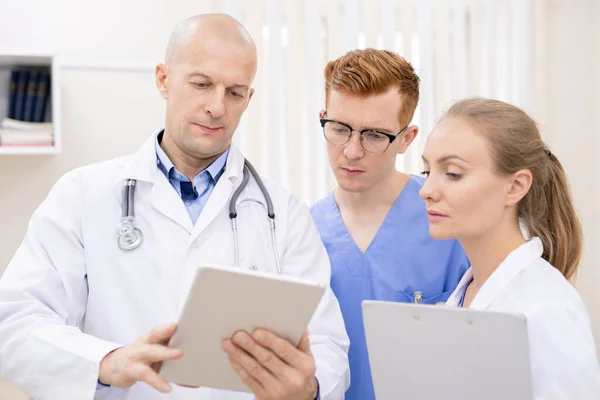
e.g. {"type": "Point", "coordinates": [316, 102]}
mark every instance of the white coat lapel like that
{"type": "Point", "coordinates": [219, 198]}
{"type": "Point", "coordinates": [143, 167]}
{"type": "Point", "coordinates": [454, 298]}
{"type": "Point", "coordinates": [166, 201]}
{"type": "Point", "coordinates": [514, 263]}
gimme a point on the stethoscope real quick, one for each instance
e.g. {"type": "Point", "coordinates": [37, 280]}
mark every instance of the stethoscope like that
{"type": "Point", "coordinates": [130, 237]}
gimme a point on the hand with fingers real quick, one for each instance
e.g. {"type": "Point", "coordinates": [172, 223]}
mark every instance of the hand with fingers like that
{"type": "Point", "coordinates": [140, 360]}
{"type": "Point", "coordinates": [272, 367]}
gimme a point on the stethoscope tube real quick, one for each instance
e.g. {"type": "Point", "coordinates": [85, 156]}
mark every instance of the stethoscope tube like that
{"type": "Point", "coordinates": [233, 215]}
{"type": "Point", "coordinates": [263, 189]}
{"type": "Point", "coordinates": [130, 238]}
{"type": "Point", "coordinates": [249, 169]}
{"type": "Point", "coordinates": [236, 194]}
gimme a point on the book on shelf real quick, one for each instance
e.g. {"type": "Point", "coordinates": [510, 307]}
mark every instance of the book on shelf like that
{"type": "Point", "coordinates": [10, 123]}
{"type": "Point", "coordinates": [29, 94]}
{"type": "Point", "coordinates": [19, 133]}
{"type": "Point", "coordinates": [27, 121]}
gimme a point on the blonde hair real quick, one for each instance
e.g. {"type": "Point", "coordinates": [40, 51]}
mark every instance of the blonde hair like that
{"type": "Point", "coordinates": [547, 209]}
{"type": "Point", "coordinates": [370, 72]}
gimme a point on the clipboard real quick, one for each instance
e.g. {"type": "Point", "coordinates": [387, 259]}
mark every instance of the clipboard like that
{"type": "Point", "coordinates": [223, 301]}
{"type": "Point", "coordinates": [431, 352]}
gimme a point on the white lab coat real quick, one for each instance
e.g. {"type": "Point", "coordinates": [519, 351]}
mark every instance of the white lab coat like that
{"type": "Point", "coordinates": [563, 356]}
{"type": "Point", "coordinates": [70, 295]}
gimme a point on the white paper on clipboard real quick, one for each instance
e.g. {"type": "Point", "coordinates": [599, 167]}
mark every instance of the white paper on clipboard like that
{"type": "Point", "coordinates": [437, 352]}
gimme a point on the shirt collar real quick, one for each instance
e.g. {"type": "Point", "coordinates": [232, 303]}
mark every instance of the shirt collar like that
{"type": "Point", "coordinates": [513, 265]}
{"type": "Point", "coordinates": [215, 169]}
{"type": "Point", "coordinates": [162, 159]}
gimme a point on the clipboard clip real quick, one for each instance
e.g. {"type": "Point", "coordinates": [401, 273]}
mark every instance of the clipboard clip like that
{"type": "Point", "coordinates": [418, 297]}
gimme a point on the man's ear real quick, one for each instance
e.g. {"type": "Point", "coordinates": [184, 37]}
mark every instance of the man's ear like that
{"type": "Point", "coordinates": [407, 137]}
{"type": "Point", "coordinates": [520, 184]}
{"type": "Point", "coordinates": [322, 113]}
{"type": "Point", "coordinates": [162, 80]}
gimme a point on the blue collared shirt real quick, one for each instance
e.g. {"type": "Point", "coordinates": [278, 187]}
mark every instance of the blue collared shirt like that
{"type": "Point", "coordinates": [194, 195]}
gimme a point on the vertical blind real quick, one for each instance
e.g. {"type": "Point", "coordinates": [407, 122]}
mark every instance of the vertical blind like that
{"type": "Point", "coordinates": [459, 48]}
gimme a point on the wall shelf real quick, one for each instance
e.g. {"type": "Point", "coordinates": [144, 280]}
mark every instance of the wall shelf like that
{"type": "Point", "coordinates": [12, 60]}
{"type": "Point", "coordinates": [28, 150]}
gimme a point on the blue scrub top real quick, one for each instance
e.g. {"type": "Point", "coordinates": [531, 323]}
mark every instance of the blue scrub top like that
{"type": "Point", "coordinates": [401, 259]}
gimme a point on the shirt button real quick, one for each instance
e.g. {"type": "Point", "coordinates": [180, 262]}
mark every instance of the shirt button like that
{"type": "Point", "coordinates": [187, 203]}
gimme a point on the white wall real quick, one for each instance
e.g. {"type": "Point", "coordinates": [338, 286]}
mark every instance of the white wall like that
{"type": "Point", "coordinates": [568, 104]}
{"type": "Point", "coordinates": [99, 123]}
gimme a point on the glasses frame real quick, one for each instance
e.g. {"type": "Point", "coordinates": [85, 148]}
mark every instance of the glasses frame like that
{"type": "Point", "coordinates": [390, 137]}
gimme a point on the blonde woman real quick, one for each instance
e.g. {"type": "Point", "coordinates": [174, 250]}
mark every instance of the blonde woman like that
{"type": "Point", "coordinates": [490, 178]}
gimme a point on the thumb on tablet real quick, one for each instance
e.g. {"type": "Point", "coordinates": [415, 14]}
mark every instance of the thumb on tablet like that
{"type": "Point", "coordinates": [304, 345]}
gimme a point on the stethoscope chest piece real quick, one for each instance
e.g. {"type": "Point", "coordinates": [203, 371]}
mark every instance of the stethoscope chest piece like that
{"type": "Point", "coordinates": [129, 236]}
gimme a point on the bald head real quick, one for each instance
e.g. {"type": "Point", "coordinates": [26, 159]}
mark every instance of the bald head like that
{"type": "Point", "coordinates": [221, 29]}
{"type": "Point", "coordinates": [206, 80]}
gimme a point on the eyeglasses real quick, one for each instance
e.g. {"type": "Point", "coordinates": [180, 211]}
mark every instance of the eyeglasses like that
{"type": "Point", "coordinates": [371, 140]}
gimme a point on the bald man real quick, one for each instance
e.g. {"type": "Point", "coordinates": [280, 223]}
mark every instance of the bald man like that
{"type": "Point", "coordinates": [84, 313]}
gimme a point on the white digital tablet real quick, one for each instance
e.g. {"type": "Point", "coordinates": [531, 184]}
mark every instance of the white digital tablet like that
{"type": "Point", "coordinates": [223, 301]}
{"type": "Point", "coordinates": [431, 352]}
